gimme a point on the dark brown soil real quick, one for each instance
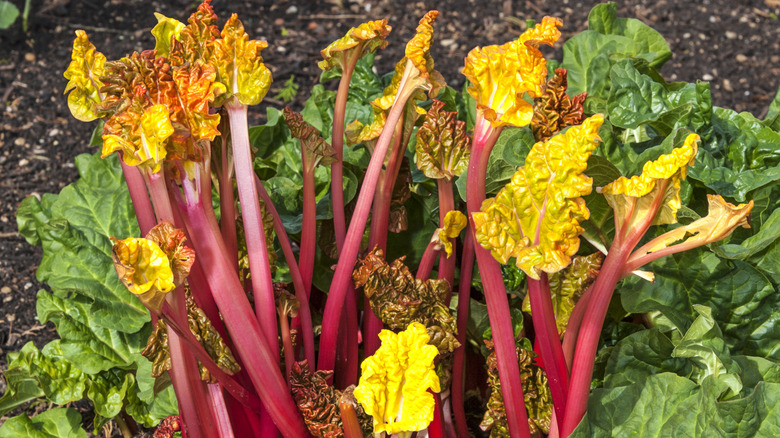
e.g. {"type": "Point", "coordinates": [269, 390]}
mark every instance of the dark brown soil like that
{"type": "Point", "coordinates": [733, 44]}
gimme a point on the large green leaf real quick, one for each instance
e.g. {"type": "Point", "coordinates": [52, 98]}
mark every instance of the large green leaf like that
{"type": "Point", "coordinates": [74, 230]}
{"type": "Point", "coordinates": [641, 355]}
{"type": "Point", "coordinates": [53, 423]}
{"type": "Point", "coordinates": [650, 45]}
{"type": "Point", "coordinates": [90, 346]}
{"type": "Point", "coordinates": [738, 154]}
{"type": "Point", "coordinates": [745, 304]}
{"type": "Point", "coordinates": [670, 405]}
{"type": "Point", "coordinates": [635, 98]}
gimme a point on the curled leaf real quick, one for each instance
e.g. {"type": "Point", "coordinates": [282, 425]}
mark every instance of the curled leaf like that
{"type": "Point", "coordinates": [399, 299]}
{"type": "Point", "coordinates": [144, 269]}
{"type": "Point", "coordinates": [568, 285]}
{"type": "Point", "coordinates": [536, 392]}
{"type": "Point", "coordinates": [196, 90]}
{"type": "Point", "coordinates": [212, 342]}
{"type": "Point", "coordinates": [346, 51]}
{"type": "Point", "coordinates": [157, 350]}
{"type": "Point", "coordinates": [554, 109]}
{"type": "Point", "coordinates": [636, 200]}
{"type": "Point", "coordinates": [164, 31]}
{"type": "Point", "coordinates": [723, 218]}
{"type": "Point", "coordinates": [239, 65]}
{"type": "Point", "coordinates": [418, 51]}
{"type": "Point", "coordinates": [500, 76]}
{"type": "Point", "coordinates": [171, 242]}
{"type": "Point", "coordinates": [286, 302]}
{"type": "Point", "coordinates": [536, 217]}
{"type": "Point", "coordinates": [454, 223]}
{"type": "Point", "coordinates": [399, 221]}
{"type": "Point", "coordinates": [400, 374]}
{"type": "Point", "coordinates": [144, 143]}
{"type": "Point", "coordinates": [443, 146]}
{"type": "Point", "coordinates": [196, 40]}
{"type": "Point", "coordinates": [83, 75]}
{"type": "Point", "coordinates": [318, 402]}
{"type": "Point", "coordinates": [314, 148]}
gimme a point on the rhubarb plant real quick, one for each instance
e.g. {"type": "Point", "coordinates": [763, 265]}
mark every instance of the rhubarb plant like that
{"type": "Point", "coordinates": [594, 244]}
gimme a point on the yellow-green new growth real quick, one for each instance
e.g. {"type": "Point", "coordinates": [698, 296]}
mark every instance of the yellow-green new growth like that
{"type": "Point", "coordinates": [536, 217]}
{"type": "Point", "coordinates": [394, 383]}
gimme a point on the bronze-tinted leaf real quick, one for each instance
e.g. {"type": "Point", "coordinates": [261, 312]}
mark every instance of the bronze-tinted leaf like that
{"type": "Point", "coordinates": [443, 146]}
{"type": "Point", "coordinates": [554, 109]}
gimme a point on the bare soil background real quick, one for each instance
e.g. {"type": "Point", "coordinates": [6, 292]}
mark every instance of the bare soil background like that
{"type": "Point", "coordinates": [735, 45]}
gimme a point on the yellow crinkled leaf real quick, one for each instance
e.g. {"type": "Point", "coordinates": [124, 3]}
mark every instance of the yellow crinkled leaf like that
{"type": "Point", "coordinates": [634, 198]}
{"type": "Point", "coordinates": [83, 75]}
{"type": "Point", "coordinates": [171, 242]}
{"type": "Point", "coordinates": [723, 218]}
{"type": "Point", "coordinates": [366, 38]}
{"type": "Point", "coordinates": [144, 269]}
{"type": "Point", "coordinates": [145, 144]}
{"type": "Point", "coordinates": [454, 223]}
{"type": "Point", "coordinates": [239, 65]}
{"type": "Point", "coordinates": [418, 50]}
{"type": "Point", "coordinates": [397, 378]}
{"type": "Point", "coordinates": [196, 91]}
{"type": "Point", "coordinates": [500, 76]}
{"type": "Point", "coordinates": [165, 29]}
{"type": "Point", "coordinates": [536, 217]}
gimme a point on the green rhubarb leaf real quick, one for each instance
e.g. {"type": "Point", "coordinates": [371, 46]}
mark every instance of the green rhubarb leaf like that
{"type": "Point", "coordinates": [670, 405]}
{"type": "Point", "coordinates": [641, 355]}
{"type": "Point", "coordinates": [53, 423]}
{"type": "Point", "coordinates": [772, 119]}
{"type": "Point", "coordinates": [650, 44]}
{"type": "Point", "coordinates": [74, 229]}
{"type": "Point", "coordinates": [744, 302]}
{"type": "Point", "coordinates": [535, 218]}
{"type": "Point", "coordinates": [91, 347]}
{"type": "Point", "coordinates": [738, 155]}
{"type": "Point", "coordinates": [107, 391]}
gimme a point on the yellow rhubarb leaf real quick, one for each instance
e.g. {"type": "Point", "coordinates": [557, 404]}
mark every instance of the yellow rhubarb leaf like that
{"type": "Point", "coordinates": [144, 144]}
{"type": "Point", "coordinates": [144, 269]}
{"type": "Point", "coordinates": [345, 52]}
{"type": "Point", "coordinates": [655, 194]}
{"type": "Point", "coordinates": [171, 242]}
{"type": "Point", "coordinates": [394, 383]}
{"type": "Point", "coordinates": [196, 89]}
{"type": "Point", "coordinates": [83, 75]}
{"type": "Point", "coordinates": [239, 65]}
{"type": "Point", "coordinates": [500, 76]}
{"type": "Point", "coordinates": [195, 41]}
{"type": "Point", "coordinates": [536, 217]}
{"type": "Point", "coordinates": [723, 218]}
{"type": "Point", "coordinates": [418, 50]}
{"type": "Point", "coordinates": [454, 223]}
{"type": "Point", "coordinates": [165, 29]}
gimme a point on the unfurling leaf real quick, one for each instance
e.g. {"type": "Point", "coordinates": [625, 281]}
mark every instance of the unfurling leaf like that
{"type": "Point", "coordinates": [144, 269]}
{"type": "Point", "coordinates": [157, 350]}
{"type": "Point", "coordinates": [443, 145]}
{"type": "Point", "coordinates": [358, 41]}
{"type": "Point", "coordinates": [454, 223]}
{"type": "Point", "coordinates": [165, 30]}
{"type": "Point", "coordinates": [196, 41]}
{"type": "Point", "coordinates": [158, 353]}
{"type": "Point", "coordinates": [399, 221]}
{"type": "Point", "coordinates": [500, 76]}
{"type": "Point", "coordinates": [636, 200]}
{"type": "Point", "coordinates": [171, 242]}
{"type": "Point", "coordinates": [723, 218]}
{"type": "Point", "coordinates": [268, 229]}
{"type": "Point", "coordinates": [418, 51]}
{"type": "Point", "coordinates": [536, 392]}
{"type": "Point", "coordinates": [536, 217]}
{"type": "Point", "coordinates": [144, 144]}
{"type": "Point", "coordinates": [318, 402]}
{"type": "Point", "coordinates": [314, 148]}
{"type": "Point", "coordinates": [239, 65]}
{"type": "Point", "coordinates": [196, 125]}
{"type": "Point", "coordinates": [399, 299]}
{"type": "Point", "coordinates": [399, 375]}
{"type": "Point", "coordinates": [83, 75]}
{"type": "Point", "coordinates": [568, 285]}
{"type": "Point", "coordinates": [286, 302]}
{"type": "Point", "coordinates": [212, 342]}
{"type": "Point", "coordinates": [555, 110]}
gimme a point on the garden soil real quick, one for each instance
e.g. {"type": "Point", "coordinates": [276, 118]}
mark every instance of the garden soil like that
{"type": "Point", "coordinates": [735, 45]}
